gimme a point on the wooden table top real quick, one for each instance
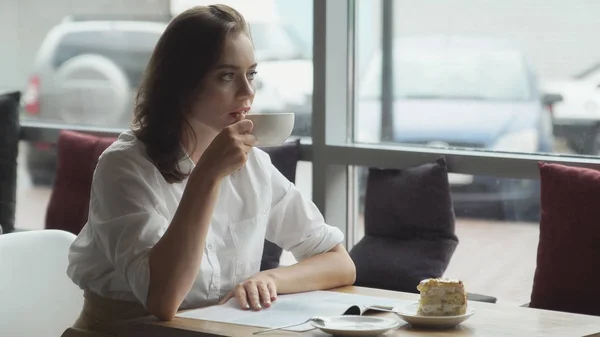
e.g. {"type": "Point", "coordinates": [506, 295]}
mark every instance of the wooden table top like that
{"type": "Point", "coordinates": [490, 320]}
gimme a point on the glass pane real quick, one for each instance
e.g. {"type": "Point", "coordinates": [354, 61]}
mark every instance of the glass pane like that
{"type": "Point", "coordinates": [81, 64]}
{"type": "Point", "coordinates": [483, 75]}
{"type": "Point", "coordinates": [499, 213]}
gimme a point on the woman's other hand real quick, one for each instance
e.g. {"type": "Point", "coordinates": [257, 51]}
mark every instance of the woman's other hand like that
{"type": "Point", "coordinates": [228, 152]}
{"type": "Point", "coordinates": [256, 293]}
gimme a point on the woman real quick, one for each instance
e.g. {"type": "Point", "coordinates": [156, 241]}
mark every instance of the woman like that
{"type": "Point", "coordinates": [181, 205]}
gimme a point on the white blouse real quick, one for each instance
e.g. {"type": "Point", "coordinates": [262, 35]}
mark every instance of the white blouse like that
{"type": "Point", "coordinates": [132, 205]}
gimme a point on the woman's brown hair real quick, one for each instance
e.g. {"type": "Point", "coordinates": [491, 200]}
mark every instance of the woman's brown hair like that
{"type": "Point", "coordinates": [190, 46]}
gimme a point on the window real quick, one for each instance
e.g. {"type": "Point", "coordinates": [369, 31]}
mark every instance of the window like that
{"type": "Point", "coordinates": [405, 82]}
{"type": "Point", "coordinates": [85, 70]}
{"type": "Point", "coordinates": [277, 42]}
{"type": "Point", "coordinates": [475, 75]}
{"type": "Point", "coordinates": [80, 67]}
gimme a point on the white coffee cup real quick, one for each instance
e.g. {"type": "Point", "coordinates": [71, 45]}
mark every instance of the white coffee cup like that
{"type": "Point", "coordinates": [271, 129]}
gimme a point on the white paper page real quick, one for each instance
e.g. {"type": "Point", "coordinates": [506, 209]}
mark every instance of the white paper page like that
{"type": "Point", "coordinates": [289, 309]}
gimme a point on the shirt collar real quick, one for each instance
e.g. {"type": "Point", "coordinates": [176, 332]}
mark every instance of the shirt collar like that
{"type": "Point", "coordinates": [186, 164]}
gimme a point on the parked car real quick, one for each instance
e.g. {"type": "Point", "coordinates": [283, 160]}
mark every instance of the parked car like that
{"type": "Point", "coordinates": [87, 73]}
{"type": "Point", "coordinates": [465, 92]}
{"type": "Point", "coordinates": [577, 117]}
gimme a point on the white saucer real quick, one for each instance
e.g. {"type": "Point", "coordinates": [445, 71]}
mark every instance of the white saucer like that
{"type": "Point", "coordinates": [351, 325]}
{"type": "Point", "coordinates": [409, 314]}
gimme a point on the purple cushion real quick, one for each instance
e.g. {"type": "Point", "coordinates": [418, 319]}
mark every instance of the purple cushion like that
{"type": "Point", "coordinates": [568, 258]}
{"type": "Point", "coordinates": [77, 157]}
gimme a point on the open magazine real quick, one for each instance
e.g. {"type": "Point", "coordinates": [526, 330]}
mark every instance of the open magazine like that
{"type": "Point", "coordinates": [295, 309]}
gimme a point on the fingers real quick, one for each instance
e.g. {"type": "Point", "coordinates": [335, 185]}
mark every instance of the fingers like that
{"type": "Point", "coordinates": [253, 295]}
{"type": "Point", "coordinates": [243, 126]}
{"type": "Point", "coordinates": [265, 294]}
{"type": "Point", "coordinates": [246, 149]}
{"type": "Point", "coordinates": [240, 117]}
{"type": "Point", "coordinates": [240, 294]}
{"type": "Point", "coordinates": [272, 291]}
{"type": "Point", "coordinates": [248, 139]}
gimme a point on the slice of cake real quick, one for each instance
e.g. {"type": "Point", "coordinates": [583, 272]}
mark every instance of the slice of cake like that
{"type": "Point", "coordinates": [442, 297]}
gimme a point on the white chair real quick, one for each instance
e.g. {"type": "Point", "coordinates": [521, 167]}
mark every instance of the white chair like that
{"type": "Point", "coordinates": [36, 296]}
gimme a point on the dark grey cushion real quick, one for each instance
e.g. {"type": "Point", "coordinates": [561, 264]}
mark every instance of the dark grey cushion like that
{"type": "Point", "coordinates": [285, 158]}
{"type": "Point", "coordinates": [399, 265]}
{"type": "Point", "coordinates": [9, 148]}
{"type": "Point", "coordinates": [409, 228]}
{"type": "Point", "coordinates": [410, 203]}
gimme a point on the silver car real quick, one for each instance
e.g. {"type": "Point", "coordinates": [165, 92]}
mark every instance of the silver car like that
{"type": "Point", "coordinates": [86, 73]}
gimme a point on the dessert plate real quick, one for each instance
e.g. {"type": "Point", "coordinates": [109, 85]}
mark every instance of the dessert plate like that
{"type": "Point", "coordinates": [351, 325]}
{"type": "Point", "coordinates": [409, 314]}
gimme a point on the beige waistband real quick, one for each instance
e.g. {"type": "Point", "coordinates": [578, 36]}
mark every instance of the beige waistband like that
{"type": "Point", "coordinates": [105, 315]}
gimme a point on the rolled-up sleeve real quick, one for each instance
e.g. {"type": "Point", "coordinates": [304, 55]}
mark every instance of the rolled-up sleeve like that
{"type": "Point", "coordinates": [126, 219]}
{"type": "Point", "coordinates": [295, 223]}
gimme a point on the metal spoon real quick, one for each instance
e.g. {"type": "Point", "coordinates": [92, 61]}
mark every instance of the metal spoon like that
{"type": "Point", "coordinates": [317, 319]}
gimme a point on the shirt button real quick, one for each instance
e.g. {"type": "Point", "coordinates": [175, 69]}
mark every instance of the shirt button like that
{"type": "Point", "coordinates": [209, 246]}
